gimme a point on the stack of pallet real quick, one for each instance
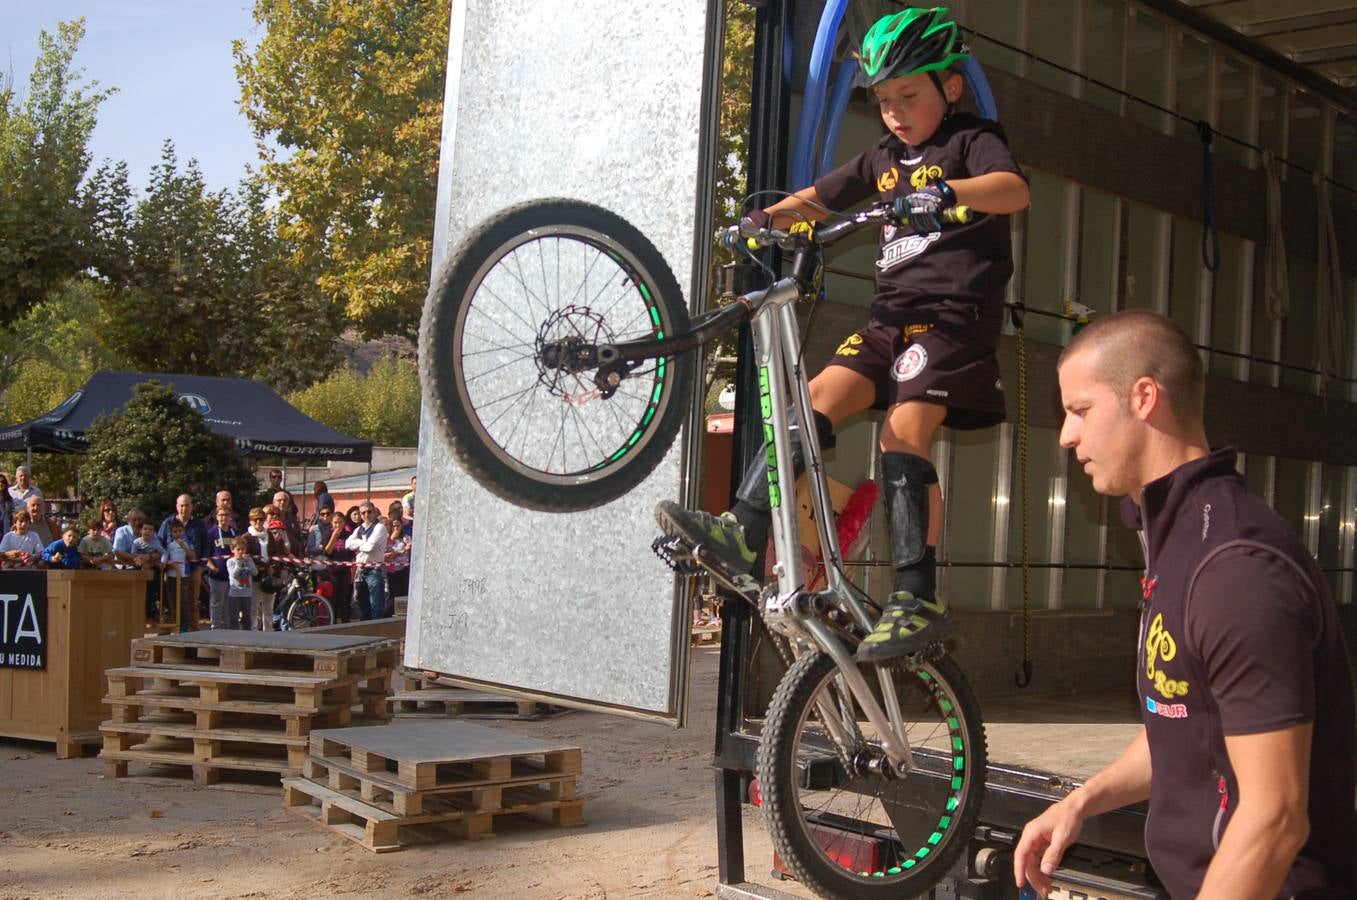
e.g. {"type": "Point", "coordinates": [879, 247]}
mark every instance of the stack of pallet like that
{"type": "Point", "coordinates": [393, 785]}
{"type": "Point", "coordinates": [221, 701]}
{"type": "Point", "coordinates": [418, 696]}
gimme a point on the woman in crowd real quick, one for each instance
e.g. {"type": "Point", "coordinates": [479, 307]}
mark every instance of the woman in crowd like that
{"type": "Point", "coordinates": [397, 554]}
{"type": "Point", "coordinates": [355, 516]}
{"type": "Point", "coordinates": [6, 510]}
{"type": "Point", "coordinates": [108, 518]}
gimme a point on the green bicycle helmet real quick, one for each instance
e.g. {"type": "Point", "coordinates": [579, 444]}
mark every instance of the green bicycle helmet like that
{"type": "Point", "coordinates": [908, 42]}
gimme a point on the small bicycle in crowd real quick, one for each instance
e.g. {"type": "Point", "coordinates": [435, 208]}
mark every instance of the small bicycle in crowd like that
{"type": "Point", "coordinates": [302, 601]}
{"type": "Point", "coordinates": [552, 351]}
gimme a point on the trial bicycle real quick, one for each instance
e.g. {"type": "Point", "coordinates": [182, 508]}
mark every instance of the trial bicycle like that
{"type": "Point", "coordinates": [553, 351]}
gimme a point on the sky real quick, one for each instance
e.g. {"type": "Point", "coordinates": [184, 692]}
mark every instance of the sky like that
{"type": "Point", "coordinates": [171, 62]}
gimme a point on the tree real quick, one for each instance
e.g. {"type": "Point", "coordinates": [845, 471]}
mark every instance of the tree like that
{"type": "Point", "coordinates": [346, 100]}
{"type": "Point", "coordinates": [380, 406]}
{"type": "Point", "coordinates": [155, 449]}
{"type": "Point", "coordinates": [206, 282]}
{"type": "Point", "coordinates": [44, 153]}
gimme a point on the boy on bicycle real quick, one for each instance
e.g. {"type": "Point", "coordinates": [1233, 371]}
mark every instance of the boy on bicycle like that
{"type": "Point", "coordinates": [927, 354]}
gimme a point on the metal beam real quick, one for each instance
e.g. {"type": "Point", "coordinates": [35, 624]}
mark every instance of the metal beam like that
{"type": "Point", "coordinates": [1299, 23]}
{"type": "Point", "coordinates": [1325, 55]}
{"type": "Point", "coordinates": [1212, 28]}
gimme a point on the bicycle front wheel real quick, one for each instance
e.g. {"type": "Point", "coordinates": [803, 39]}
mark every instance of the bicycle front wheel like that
{"type": "Point", "coordinates": [844, 828]}
{"type": "Point", "coordinates": [309, 611]}
{"type": "Point", "coordinates": [531, 280]}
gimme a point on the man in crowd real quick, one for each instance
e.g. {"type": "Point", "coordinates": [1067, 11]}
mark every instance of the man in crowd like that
{"type": "Point", "coordinates": [22, 489]}
{"type": "Point", "coordinates": [126, 534]}
{"type": "Point", "coordinates": [195, 536]}
{"type": "Point", "coordinates": [1245, 685]}
{"type": "Point", "coordinates": [368, 543]}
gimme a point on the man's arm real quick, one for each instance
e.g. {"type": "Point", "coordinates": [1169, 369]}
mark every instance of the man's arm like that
{"type": "Point", "coordinates": [804, 204]}
{"type": "Point", "coordinates": [1045, 839]}
{"type": "Point", "coordinates": [1271, 822]}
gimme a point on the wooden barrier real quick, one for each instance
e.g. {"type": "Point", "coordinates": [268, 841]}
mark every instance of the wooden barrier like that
{"type": "Point", "coordinates": [91, 618]}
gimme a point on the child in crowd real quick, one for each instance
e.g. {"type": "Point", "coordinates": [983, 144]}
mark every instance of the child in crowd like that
{"type": "Point", "coordinates": [240, 572]}
{"type": "Point", "coordinates": [64, 552]}
{"type": "Point", "coordinates": [177, 557]}
{"type": "Point", "coordinates": [221, 538]}
{"type": "Point", "coordinates": [21, 547]}
{"type": "Point", "coordinates": [926, 356]}
{"type": "Point", "coordinates": [96, 549]}
{"type": "Point", "coordinates": [147, 552]}
{"type": "Point", "coordinates": [257, 536]}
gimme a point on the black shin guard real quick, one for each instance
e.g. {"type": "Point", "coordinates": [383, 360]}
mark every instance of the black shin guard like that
{"type": "Point", "coordinates": [908, 478]}
{"type": "Point", "coordinates": [752, 499]}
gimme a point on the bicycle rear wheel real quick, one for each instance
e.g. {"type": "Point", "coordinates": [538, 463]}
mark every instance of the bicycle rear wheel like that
{"type": "Point", "coordinates": [532, 277]}
{"type": "Point", "coordinates": [845, 829]}
{"type": "Point", "coordinates": [309, 611]}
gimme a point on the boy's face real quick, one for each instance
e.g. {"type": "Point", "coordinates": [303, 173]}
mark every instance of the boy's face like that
{"type": "Point", "coordinates": [911, 106]}
{"type": "Point", "coordinates": [69, 537]}
{"type": "Point", "coordinates": [94, 531]}
{"type": "Point", "coordinates": [238, 551]}
{"type": "Point", "coordinates": [223, 519]}
{"type": "Point", "coordinates": [147, 531]}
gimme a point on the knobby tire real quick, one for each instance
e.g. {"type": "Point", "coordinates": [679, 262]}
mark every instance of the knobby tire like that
{"type": "Point", "coordinates": [533, 434]}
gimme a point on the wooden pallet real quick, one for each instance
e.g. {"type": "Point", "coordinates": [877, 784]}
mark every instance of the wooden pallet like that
{"type": "Point", "coordinates": [436, 754]}
{"type": "Point", "coordinates": [388, 794]}
{"type": "Point", "coordinates": [207, 759]}
{"type": "Point", "coordinates": [390, 786]}
{"type": "Point", "coordinates": [706, 634]}
{"type": "Point", "coordinates": [305, 692]}
{"type": "Point", "coordinates": [270, 652]}
{"type": "Point", "coordinates": [446, 702]}
{"type": "Point", "coordinates": [382, 832]}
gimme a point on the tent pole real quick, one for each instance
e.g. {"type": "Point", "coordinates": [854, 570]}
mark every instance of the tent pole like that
{"type": "Point", "coordinates": [369, 480]}
{"type": "Point", "coordinates": [301, 513]}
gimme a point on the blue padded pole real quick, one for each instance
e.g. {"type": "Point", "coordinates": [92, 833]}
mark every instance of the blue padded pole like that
{"type": "Point", "coordinates": [812, 103]}
{"type": "Point", "coordinates": [980, 89]}
{"type": "Point", "coordinates": [838, 105]}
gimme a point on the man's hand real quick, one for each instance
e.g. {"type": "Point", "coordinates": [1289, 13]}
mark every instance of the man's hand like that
{"type": "Point", "coordinates": [924, 207]}
{"type": "Point", "coordinates": [1043, 844]}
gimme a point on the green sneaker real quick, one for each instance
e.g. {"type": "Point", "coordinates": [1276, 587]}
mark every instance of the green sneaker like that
{"type": "Point", "coordinates": [720, 536]}
{"type": "Point", "coordinates": [907, 625]}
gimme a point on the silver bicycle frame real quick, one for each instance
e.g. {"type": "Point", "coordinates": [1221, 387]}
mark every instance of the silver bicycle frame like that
{"type": "Point", "coordinates": [777, 355]}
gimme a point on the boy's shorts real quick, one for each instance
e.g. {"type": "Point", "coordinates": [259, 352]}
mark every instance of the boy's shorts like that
{"type": "Point", "coordinates": [931, 364]}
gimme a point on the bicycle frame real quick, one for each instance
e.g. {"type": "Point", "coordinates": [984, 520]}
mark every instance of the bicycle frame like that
{"type": "Point", "coordinates": [777, 350]}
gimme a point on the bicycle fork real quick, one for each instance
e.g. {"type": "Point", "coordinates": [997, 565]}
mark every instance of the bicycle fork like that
{"type": "Point", "coordinates": [777, 353]}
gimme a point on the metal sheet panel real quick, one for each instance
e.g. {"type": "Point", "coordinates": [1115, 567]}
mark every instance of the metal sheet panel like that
{"type": "Point", "coordinates": [601, 101]}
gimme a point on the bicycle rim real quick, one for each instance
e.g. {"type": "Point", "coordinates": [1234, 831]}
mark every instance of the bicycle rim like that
{"type": "Point", "coordinates": [845, 831]}
{"type": "Point", "coordinates": [544, 286]}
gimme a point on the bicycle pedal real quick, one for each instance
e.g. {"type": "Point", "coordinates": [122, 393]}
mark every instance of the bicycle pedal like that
{"type": "Point", "coordinates": [672, 550]}
{"type": "Point", "coordinates": [740, 582]}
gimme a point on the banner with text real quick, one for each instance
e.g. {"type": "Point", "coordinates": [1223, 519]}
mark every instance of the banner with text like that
{"type": "Point", "coordinates": [23, 619]}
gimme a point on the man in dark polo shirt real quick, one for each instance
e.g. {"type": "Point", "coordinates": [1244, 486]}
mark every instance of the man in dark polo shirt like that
{"type": "Point", "coordinates": [1245, 685]}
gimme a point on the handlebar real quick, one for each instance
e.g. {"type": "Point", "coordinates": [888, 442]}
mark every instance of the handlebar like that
{"type": "Point", "coordinates": [892, 213]}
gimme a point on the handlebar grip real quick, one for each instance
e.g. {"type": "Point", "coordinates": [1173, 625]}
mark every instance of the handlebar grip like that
{"type": "Point", "coordinates": [957, 215]}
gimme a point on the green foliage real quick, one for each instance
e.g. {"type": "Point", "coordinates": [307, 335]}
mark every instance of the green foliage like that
{"type": "Point", "coordinates": [732, 147]}
{"type": "Point", "coordinates": [206, 283]}
{"type": "Point", "coordinates": [44, 153]}
{"type": "Point", "coordinates": [381, 406]}
{"type": "Point", "coordinates": [157, 448]}
{"type": "Point", "coordinates": [346, 99]}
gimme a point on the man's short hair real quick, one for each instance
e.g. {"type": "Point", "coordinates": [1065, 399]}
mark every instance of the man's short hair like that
{"type": "Point", "coordinates": [1137, 343]}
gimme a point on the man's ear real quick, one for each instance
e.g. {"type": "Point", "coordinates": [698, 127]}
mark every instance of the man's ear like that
{"type": "Point", "coordinates": [1145, 396]}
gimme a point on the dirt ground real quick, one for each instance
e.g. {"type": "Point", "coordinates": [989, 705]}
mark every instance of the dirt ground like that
{"type": "Point", "coordinates": [67, 831]}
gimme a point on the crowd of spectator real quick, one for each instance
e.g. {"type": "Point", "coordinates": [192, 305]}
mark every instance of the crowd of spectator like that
{"type": "Point", "coordinates": [224, 568]}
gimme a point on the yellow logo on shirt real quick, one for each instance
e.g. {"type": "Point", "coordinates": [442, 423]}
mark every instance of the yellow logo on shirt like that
{"type": "Point", "coordinates": [849, 347]}
{"type": "Point", "coordinates": [888, 179]}
{"type": "Point", "coordinates": [1160, 646]}
{"type": "Point", "coordinates": [924, 175]}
